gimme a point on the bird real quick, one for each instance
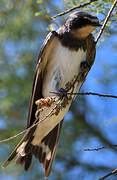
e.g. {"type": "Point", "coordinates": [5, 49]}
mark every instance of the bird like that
{"type": "Point", "coordinates": [66, 53]}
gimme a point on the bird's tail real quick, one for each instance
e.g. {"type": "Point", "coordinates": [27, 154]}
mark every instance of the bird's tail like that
{"type": "Point", "coordinates": [15, 153]}
{"type": "Point", "coordinates": [11, 157]}
{"type": "Point", "coordinates": [22, 151]}
{"type": "Point", "coordinates": [44, 151]}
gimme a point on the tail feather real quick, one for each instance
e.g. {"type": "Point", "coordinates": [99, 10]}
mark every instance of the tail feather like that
{"type": "Point", "coordinates": [11, 157]}
{"type": "Point", "coordinates": [53, 142]}
{"type": "Point", "coordinates": [21, 149]}
{"type": "Point", "coordinates": [25, 160]}
{"type": "Point", "coordinates": [28, 161]}
{"type": "Point", "coordinates": [44, 151]}
{"type": "Point", "coordinates": [20, 160]}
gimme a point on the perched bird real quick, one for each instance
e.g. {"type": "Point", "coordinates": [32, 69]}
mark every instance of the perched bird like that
{"type": "Point", "coordinates": [66, 53]}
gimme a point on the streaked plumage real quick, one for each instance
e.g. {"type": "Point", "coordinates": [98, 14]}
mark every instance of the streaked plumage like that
{"type": "Point", "coordinates": [59, 61]}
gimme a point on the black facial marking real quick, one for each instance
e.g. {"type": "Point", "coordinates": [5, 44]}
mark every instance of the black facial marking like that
{"type": "Point", "coordinates": [80, 19]}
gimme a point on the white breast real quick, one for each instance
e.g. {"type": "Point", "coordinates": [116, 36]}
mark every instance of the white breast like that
{"type": "Point", "coordinates": [67, 63]}
{"type": "Point", "coordinates": [64, 61]}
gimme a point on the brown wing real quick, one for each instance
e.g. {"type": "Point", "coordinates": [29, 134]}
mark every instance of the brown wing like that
{"type": "Point", "coordinates": [38, 78]}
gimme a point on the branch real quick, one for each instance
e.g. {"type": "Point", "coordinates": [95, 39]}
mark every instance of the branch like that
{"type": "Point", "coordinates": [109, 174]}
{"type": "Point", "coordinates": [105, 21]}
{"type": "Point", "coordinates": [88, 93]}
{"type": "Point", "coordinates": [76, 7]}
{"type": "Point", "coordinates": [100, 148]}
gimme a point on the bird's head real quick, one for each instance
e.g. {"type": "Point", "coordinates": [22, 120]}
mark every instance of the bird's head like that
{"type": "Point", "coordinates": [81, 24]}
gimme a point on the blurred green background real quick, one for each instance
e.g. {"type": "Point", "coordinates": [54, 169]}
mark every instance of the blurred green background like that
{"type": "Point", "coordinates": [91, 121]}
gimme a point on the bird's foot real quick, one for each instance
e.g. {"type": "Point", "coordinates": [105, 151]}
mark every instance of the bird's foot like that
{"type": "Point", "coordinates": [45, 101]}
{"type": "Point", "coordinates": [42, 103]}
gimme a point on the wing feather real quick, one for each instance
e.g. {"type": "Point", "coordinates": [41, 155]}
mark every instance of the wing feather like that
{"type": "Point", "coordinates": [38, 77]}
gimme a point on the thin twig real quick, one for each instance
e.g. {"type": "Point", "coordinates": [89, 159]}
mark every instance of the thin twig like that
{"type": "Point", "coordinates": [106, 20]}
{"type": "Point", "coordinates": [100, 148]}
{"type": "Point", "coordinates": [22, 132]}
{"type": "Point", "coordinates": [76, 7]}
{"type": "Point", "coordinates": [109, 174]}
{"type": "Point", "coordinates": [88, 93]}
